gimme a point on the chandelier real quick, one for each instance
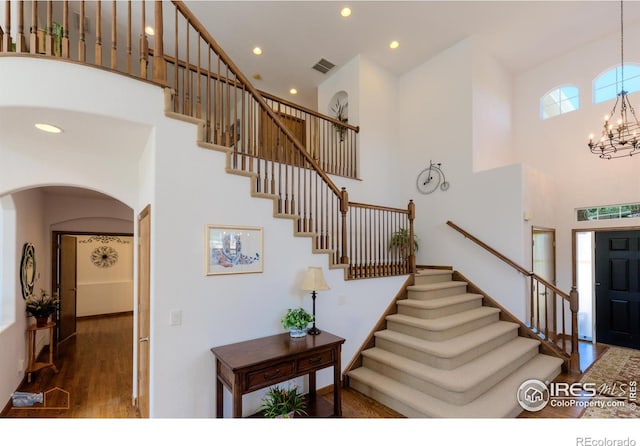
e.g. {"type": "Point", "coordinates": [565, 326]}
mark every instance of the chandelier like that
{"type": "Point", "coordinates": [621, 138]}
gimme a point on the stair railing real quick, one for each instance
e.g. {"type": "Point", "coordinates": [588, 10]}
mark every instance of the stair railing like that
{"type": "Point", "coordinates": [544, 301]}
{"type": "Point", "coordinates": [261, 133]}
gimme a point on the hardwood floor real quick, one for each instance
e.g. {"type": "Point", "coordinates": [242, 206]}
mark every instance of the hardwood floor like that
{"type": "Point", "coordinates": [95, 368]}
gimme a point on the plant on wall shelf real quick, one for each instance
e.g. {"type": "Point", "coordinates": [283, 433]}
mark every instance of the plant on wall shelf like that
{"type": "Point", "coordinates": [399, 242]}
{"type": "Point", "coordinates": [340, 112]}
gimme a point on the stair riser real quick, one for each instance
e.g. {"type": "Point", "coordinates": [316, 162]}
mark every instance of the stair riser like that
{"type": "Point", "coordinates": [441, 335]}
{"type": "Point", "coordinates": [433, 313]}
{"type": "Point", "coordinates": [435, 294]}
{"type": "Point", "coordinates": [445, 363]}
{"type": "Point", "coordinates": [385, 399]}
{"type": "Point", "coordinates": [424, 280]}
{"type": "Point", "coordinates": [458, 398]}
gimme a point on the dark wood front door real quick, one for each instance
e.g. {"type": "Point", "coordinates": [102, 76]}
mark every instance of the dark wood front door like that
{"type": "Point", "coordinates": [618, 288]}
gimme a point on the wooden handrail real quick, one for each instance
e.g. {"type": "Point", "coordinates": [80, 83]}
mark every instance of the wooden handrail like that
{"type": "Point", "coordinates": [256, 95]}
{"type": "Point", "coordinates": [479, 242]}
{"type": "Point", "coordinates": [537, 324]}
{"type": "Point", "coordinates": [204, 72]}
{"type": "Point", "coordinates": [264, 136]}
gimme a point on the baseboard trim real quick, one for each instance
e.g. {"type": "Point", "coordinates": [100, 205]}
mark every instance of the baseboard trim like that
{"type": "Point", "coordinates": [105, 315]}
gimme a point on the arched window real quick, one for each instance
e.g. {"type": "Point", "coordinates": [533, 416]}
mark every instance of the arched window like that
{"type": "Point", "coordinates": [558, 101]}
{"type": "Point", "coordinates": [608, 84]}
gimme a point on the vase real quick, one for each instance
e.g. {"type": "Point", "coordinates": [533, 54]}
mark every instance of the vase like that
{"type": "Point", "coordinates": [296, 332]}
{"type": "Point", "coordinates": [41, 321]}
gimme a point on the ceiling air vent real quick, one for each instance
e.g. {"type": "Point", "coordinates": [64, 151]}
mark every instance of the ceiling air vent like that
{"type": "Point", "coordinates": [323, 66]}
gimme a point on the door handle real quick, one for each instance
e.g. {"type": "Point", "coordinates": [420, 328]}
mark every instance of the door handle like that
{"type": "Point", "coordinates": [597, 283]}
{"type": "Point", "coordinates": [145, 339]}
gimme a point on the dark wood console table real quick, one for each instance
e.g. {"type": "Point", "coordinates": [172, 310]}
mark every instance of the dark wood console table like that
{"type": "Point", "coordinates": [251, 365]}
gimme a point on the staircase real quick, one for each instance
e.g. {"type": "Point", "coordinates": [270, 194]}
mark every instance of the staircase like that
{"type": "Point", "coordinates": [445, 354]}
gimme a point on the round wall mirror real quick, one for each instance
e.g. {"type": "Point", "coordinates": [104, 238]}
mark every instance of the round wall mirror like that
{"type": "Point", "coordinates": [28, 269]}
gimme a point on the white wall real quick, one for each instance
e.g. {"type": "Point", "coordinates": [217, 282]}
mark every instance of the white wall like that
{"type": "Point", "coordinates": [435, 106]}
{"type": "Point", "coordinates": [372, 106]}
{"type": "Point", "coordinates": [491, 108]}
{"type": "Point", "coordinates": [557, 149]}
{"type": "Point", "coordinates": [28, 228]}
{"type": "Point", "coordinates": [188, 188]}
{"type": "Point", "coordinates": [104, 290]}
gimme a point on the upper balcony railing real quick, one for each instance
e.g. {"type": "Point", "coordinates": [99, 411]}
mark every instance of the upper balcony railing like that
{"type": "Point", "coordinates": [130, 37]}
{"type": "Point", "coordinates": [288, 150]}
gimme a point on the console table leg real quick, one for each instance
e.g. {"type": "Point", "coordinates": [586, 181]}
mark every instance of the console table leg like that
{"type": "Point", "coordinates": [219, 398]}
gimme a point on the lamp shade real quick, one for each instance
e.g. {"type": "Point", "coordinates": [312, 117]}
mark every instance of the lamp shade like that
{"type": "Point", "coordinates": [314, 280]}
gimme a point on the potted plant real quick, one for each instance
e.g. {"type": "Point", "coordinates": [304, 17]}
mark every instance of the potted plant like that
{"type": "Point", "coordinates": [279, 402]}
{"type": "Point", "coordinates": [42, 306]}
{"type": "Point", "coordinates": [296, 321]}
{"type": "Point", "coordinates": [399, 242]}
{"type": "Point", "coordinates": [340, 111]}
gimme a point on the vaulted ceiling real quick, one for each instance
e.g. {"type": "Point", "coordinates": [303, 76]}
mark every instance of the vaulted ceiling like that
{"type": "Point", "coordinates": [294, 35]}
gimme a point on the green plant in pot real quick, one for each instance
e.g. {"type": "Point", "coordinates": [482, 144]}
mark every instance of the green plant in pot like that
{"type": "Point", "coordinates": [42, 306]}
{"type": "Point", "coordinates": [399, 242]}
{"type": "Point", "coordinates": [296, 321]}
{"type": "Point", "coordinates": [280, 402]}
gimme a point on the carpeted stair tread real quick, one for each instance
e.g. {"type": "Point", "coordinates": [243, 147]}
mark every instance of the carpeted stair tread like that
{"type": "Point", "coordinates": [437, 285]}
{"type": "Point", "coordinates": [465, 377]}
{"type": "Point", "coordinates": [446, 322]}
{"type": "Point", "coordinates": [498, 402]}
{"type": "Point", "coordinates": [452, 347]}
{"type": "Point", "coordinates": [439, 302]}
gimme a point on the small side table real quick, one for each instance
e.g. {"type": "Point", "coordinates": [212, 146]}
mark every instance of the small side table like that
{"type": "Point", "coordinates": [34, 366]}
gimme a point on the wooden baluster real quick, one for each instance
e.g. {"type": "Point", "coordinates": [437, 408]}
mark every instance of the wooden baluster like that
{"type": "Point", "coordinates": [114, 36]}
{"type": "Point", "coordinates": [546, 313]}
{"type": "Point", "coordinates": [65, 30]}
{"type": "Point", "coordinates": [176, 67]}
{"type": "Point", "coordinates": [574, 360]}
{"type": "Point", "coordinates": [98, 50]}
{"type": "Point", "coordinates": [555, 316]}
{"type": "Point", "coordinates": [344, 209]}
{"type": "Point", "coordinates": [159, 64]}
{"type": "Point", "coordinates": [187, 79]}
{"type": "Point", "coordinates": [49, 31]}
{"type": "Point", "coordinates": [198, 83]}
{"type": "Point", "coordinates": [144, 44]}
{"type": "Point", "coordinates": [21, 43]}
{"type": "Point", "coordinates": [532, 290]}
{"type": "Point", "coordinates": [33, 41]}
{"type": "Point", "coordinates": [129, 40]}
{"type": "Point", "coordinates": [82, 46]}
{"type": "Point", "coordinates": [208, 104]}
{"type": "Point", "coordinates": [7, 43]}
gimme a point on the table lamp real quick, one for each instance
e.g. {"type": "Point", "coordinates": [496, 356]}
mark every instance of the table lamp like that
{"type": "Point", "coordinates": [314, 281]}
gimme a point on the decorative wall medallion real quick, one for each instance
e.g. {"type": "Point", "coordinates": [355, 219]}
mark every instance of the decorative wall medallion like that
{"type": "Point", "coordinates": [104, 256]}
{"type": "Point", "coordinates": [28, 269]}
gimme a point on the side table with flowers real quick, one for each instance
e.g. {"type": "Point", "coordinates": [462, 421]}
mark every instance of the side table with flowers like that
{"type": "Point", "coordinates": [42, 306]}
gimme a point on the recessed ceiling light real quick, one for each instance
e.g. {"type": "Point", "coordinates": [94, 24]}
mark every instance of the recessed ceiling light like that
{"type": "Point", "coordinates": [293, 91]}
{"type": "Point", "coordinates": [257, 51]}
{"type": "Point", "coordinates": [48, 128]}
{"type": "Point", "coordinates": [345, 12]}
{"type": "Point", "coordinates": [149, 31]}
{"type": "Point", "coordinates": [395, 44]}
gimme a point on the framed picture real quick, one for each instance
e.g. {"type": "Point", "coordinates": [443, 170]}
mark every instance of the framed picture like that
{"type": "Point", "coordinates": [233, 250]}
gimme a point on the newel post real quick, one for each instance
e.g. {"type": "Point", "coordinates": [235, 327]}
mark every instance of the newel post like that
{"type": "Point", "coordinates": [574, 359]}
{"type": "Point", "coordinates": [159, 64]}
{"type": "Point", "coordinates": [412, 253]}
{"type": "Point", "coordinates": [344, 208]}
